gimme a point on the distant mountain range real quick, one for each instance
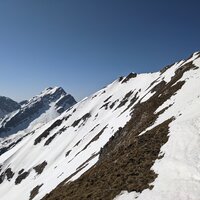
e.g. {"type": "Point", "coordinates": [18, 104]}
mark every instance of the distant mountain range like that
{"type": "Point", "coordinates": [36, 112]}
{"type": "Point", "coordinates": [138, 138]}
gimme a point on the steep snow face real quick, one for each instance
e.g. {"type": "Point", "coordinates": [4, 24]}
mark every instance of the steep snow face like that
{"type": "Point", "coordinates": [65, 149]}
{"type": "Point", "coordinates": [37, 111]}
{"type": "Point", "coordinates": [7, 105]}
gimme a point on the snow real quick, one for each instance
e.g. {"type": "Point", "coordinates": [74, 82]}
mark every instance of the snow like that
{"type": "Point", "coordinates": [178, 171]}
{"type": "Point", "coordinates": [167, 75]}
{"type": "Point", "coordinates": [48, 112]}
{"type": "Point", "coordinates": [25, 155]}
{"type": "Point", "coordinates": [124, 195]}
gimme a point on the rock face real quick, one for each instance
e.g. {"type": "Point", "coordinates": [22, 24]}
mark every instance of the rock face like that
{"type": "Point", "coordinates": [138, 138]}
{"type": "Point", "coordinates": [7, 105]}
{"type": "Point", "coordinates": [24, 102]}
{"type": "Point", "coordinates": [42, 108]}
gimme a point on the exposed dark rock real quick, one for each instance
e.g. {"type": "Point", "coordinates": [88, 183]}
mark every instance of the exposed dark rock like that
{"type": "Point", "coordinates": [11, 145]}
{"type": "Point", "coordinates": [21, 171]}
{"type": "Point", "coordinates": [132, 102]}
{"type": "Point", "coordinates": [94, 96]}
{"type": "Point", "coordinates": [21, 177]}
{"type": "Point", "coordinates": [65, 102]}
{"type": "Point", "coordinates": [131, 75]}
{"type": "Point", "coordinates": [74, 110]}
{"type": "Point", "coordinates": [120, 78]}
{"type": "Point", "coordinates": [47, 131]}
{"type": "Point", "coordinates": [94, 127]}
{"type": "Point", "coordinates": [7, 173]}
{"type": "Point", "coordinates": [107, 99]}
{"type": "Point", "coordinates": [83, 118]}
{"type": "Point", "coordinates": [113, 104]}
{"type": "Point", "coordinates": [103, 92]}
{"type": "Point", "coordinates": [105, 105]}
{"type": "Point", "coordinates": [24, 102]}
{"type": "Point", "coordinates": [195, 68]}
{"type": "Point", "coordinates": [77, 143]}
{"type": "Point", "coordinates": [124, 100]}
{"type": "Point", "coordinates": [39, 168]}
{"type": "Point", "coordinates": [2, 176]}
{"type": "Point", "coordinates": [50, 139]}
{"type": "Point", "coordinates": [23, 118]}
{"type": "Point", "coordinates": [7, 105]}
{"type": "Point", "coordinates": [35, 191]}
{"type": "Point", "coordinates": [96, 116]}
{"type": "Point", "coordinates": [67, 153]}
{"type": "Point", "coordinates": [66, 118]}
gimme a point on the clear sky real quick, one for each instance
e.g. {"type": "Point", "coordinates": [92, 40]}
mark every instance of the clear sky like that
{"type": "Point", "coordinates": [82, 45]}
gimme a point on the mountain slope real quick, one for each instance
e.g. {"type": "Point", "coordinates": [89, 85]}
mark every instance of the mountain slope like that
{"type": "Point", "coordinates": [126, 137]}
{"type": "Point", "coordinates": [167, 115]}
{"type": "Point", "coordinates": [33, 114]}
{"type": "Point", "coordinates": [7, 105]}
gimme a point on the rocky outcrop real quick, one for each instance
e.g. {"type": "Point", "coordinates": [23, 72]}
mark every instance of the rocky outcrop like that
{"type": "Point", "coordinates": [7, 105]}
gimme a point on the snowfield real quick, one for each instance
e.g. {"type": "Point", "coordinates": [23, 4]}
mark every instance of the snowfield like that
{"type": "Point", "coordinates": [61, 150]}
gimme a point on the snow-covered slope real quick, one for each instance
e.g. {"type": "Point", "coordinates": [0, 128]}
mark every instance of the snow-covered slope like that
{"type": "Point", "coordinates": [138, 137]}
{"type": "Point", "coordinates": [7, 105]}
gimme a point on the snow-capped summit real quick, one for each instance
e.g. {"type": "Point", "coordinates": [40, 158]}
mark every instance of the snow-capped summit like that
{"type": "Point", "coordinates": [37, 111]}
{"type": "Point", "coordinates": [51, 91]}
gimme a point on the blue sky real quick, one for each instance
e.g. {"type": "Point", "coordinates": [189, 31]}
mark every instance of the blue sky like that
{"type": "Point", "coordinates": [82, 45]}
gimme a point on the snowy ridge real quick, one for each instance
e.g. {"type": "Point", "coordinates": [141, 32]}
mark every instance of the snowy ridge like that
{"type": "Point", "coordinates": [70, 147]}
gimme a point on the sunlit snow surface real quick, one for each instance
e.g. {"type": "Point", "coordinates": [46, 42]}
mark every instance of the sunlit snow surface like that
{"type": "Point", "coordinates": [178, 172]}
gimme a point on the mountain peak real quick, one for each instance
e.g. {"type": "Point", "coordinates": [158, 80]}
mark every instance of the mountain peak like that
{"type": "Point", "coordinates": [50, 103]}
{"type": "Point", "coordinates": [51, 91]}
